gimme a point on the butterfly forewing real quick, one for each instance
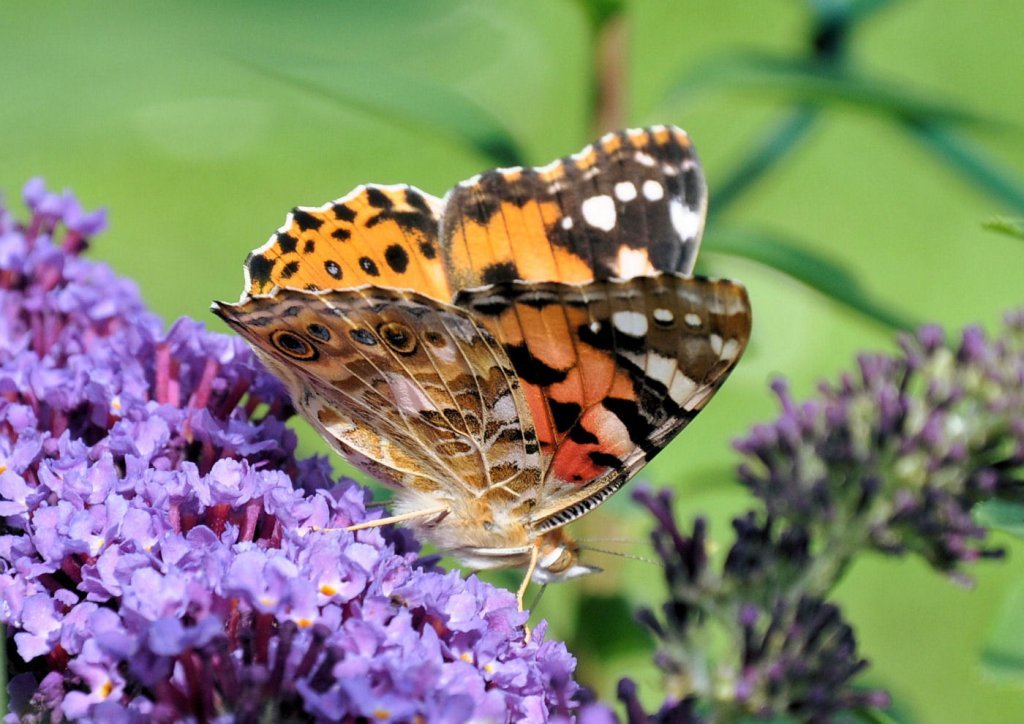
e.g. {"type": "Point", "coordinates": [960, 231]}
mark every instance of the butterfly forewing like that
{"type": "Point", "coordinates": [632, 203]}
{"type": "Point", "coordinates": [613, 370]}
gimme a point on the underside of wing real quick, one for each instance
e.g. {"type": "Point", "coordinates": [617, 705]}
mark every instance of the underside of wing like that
{"type": "Point", "coordinates": [630, 204]}
{"type": "Point", "coordinates": [408, 389]}
{"type": "Point", "coordinates": [612, 371]}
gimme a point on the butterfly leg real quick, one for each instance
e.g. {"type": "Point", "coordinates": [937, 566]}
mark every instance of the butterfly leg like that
{"type": "Point", "coordinates": [534, 557]}
{"type": "Point", "coordinates": [397, 518]}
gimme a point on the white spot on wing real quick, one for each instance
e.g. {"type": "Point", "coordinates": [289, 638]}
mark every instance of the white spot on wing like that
{"type": "Point", "coordinates": [644, 159]}
{"type": "Point", "coordinates": [730, 349]}
{"type": "Point", "coordinates": [686, 222]}
{"type": "Point", "coordinates": [660, 368]}
{"type": "Point", "coordinates": [599, 212]}
{"type": "Point", "coordinates": [631, 263]}
{"type": "Point", "coordinates": [505, 408]}
{"type": "Point", "coordinates": [682, 388]}
{"type": "Point", "coordinates": [692, 320]}
{"type": "Point", "coordinates": [409, 396]}
{"type": "Point", "coordinates": [566, 222]}
{"type": "Point", "coordinates": [625, 191]}
{"type": "Point", "coordinates": [664, 316]}
{"type": "Point", "coordinates": [632, 323]}
{"type": "Point", "coordinates": [653, 191]}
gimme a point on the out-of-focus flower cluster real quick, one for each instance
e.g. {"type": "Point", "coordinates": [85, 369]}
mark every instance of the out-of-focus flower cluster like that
{"type": "Point", "coordinates": [164, 555]}
{"type": "Point", "coordinates": [892, 459]}
{"type": "Point", "coordinates": [790, 653]}
{"type": "Point", "coordinates": [896, 456]}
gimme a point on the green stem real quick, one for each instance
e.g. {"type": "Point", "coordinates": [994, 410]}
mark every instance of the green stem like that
{"type": "Point", "coordinates": [772, 148]}
{"type": "Point", "coordinates": [970, 160]}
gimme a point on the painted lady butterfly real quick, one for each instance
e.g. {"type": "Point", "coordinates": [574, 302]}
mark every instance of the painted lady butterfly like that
{"type": "Point", "coordinates": [508, 357]}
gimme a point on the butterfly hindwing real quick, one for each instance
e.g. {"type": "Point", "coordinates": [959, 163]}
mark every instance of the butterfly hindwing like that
{"type": "Point", "coordinates": [383, 236]}
{"type": "Point", "coordinates": [632, 203]}
{"type": "Point", "coordinates": [409, 389]}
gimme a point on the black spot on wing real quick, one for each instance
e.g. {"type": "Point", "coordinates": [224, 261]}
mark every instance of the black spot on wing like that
{"type": "Point", "coordinates": [499, 272]}
{"type": "Point", "coordinates": [564, 414]}
{"type": "Point", "coordinates": [369, 266]}
{"type": "Point", "coordinates": [416, 200]}
{"type": "Point", "coordinates": [530, 369]}
{"type": "Point", "coordinates": [413, 222]}
{"type": "Point", "coordinates": [309, 247]}
{"type": "Point", "coordinates": [306, 220]}
{"type": "Point", "coordinates": [490, 306]}
{"type": "Point", "coordinates": [583, 436]}
{"type": "Point", "coordinates": [397, 258]}
{"type": "Point", "coordinates": [332, 268]}
{"type": "Point", "coordinates": [377, 198]}
{"type": "Point", "coordinates": [260, 268]}
{"type": "Point", "coordinates": [344, 213]}
{"type": "Point", "coordinates": [341, 234]}
{"type": "Point", "coordinates": [289, 270]}
{"type": "Point", "coordinates": [287, 242]}
{"type": "Point", "coordinates": [428, 249]}
{"type": "Point", "coordinates": [605, 460]}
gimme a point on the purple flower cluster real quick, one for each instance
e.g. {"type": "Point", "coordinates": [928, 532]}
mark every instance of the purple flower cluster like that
{"type": "Point", "coordinates": [164, 555]}
{"type": "Point", "coordinates": [896, 456]}
{"type": "Point", "coordinates": [795, 655]}
{"type": "Point", "coordinates": [893, 459]}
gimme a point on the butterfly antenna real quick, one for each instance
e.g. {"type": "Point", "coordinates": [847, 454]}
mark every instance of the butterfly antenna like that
{"type": "Point", "coordinates": [625, 541]}
{"type": "Point", "coordinates": [536, 599]}
{"type": "Point", "coordinates": [620, 554]}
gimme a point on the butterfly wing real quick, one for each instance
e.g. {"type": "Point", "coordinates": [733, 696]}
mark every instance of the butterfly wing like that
{"type": "Point", "coordinates": [630, 204]}
{"type": "Point", "coordinates": [612, 371]}
{"type": "Point", "coordinates": [411, 390]}
{"type": "Point", "coordinates": [386, 236]}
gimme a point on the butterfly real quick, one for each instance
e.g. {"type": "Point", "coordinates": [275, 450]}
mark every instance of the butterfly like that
{"type": "Point", "coordinates": [508, 357]}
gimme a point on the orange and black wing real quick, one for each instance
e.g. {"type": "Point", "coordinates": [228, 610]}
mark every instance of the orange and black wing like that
{"type": "Point", "coordinates": [612, 371]}
{"type": "Point", "coordinates": [384, 236]}
{"type": "Point", "coordinates": [630, 204]}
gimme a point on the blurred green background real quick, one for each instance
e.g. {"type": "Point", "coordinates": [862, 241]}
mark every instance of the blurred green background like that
{"type": "Point", "coordinates": [887, 133]}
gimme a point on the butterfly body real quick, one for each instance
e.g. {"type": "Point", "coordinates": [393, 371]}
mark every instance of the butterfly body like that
{"type": "Point", "coordinates": [507, 358]}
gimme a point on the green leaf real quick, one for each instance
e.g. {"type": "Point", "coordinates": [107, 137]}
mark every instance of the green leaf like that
{"type": "Point", "coordinates": [814, 270]}
{"type": "Point", "coordinates": [402, 99]}
{"type": "Point", "coordinates": [805, 81]}
{"type": "Point", "coordinates": [1003, 655]}
{"type": "Point", "coordinates": [877, 716]}
{"type": "Point", "coordinates": [1001, 515]}
{"type": "Point", "coordinates": [1003, 225]}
